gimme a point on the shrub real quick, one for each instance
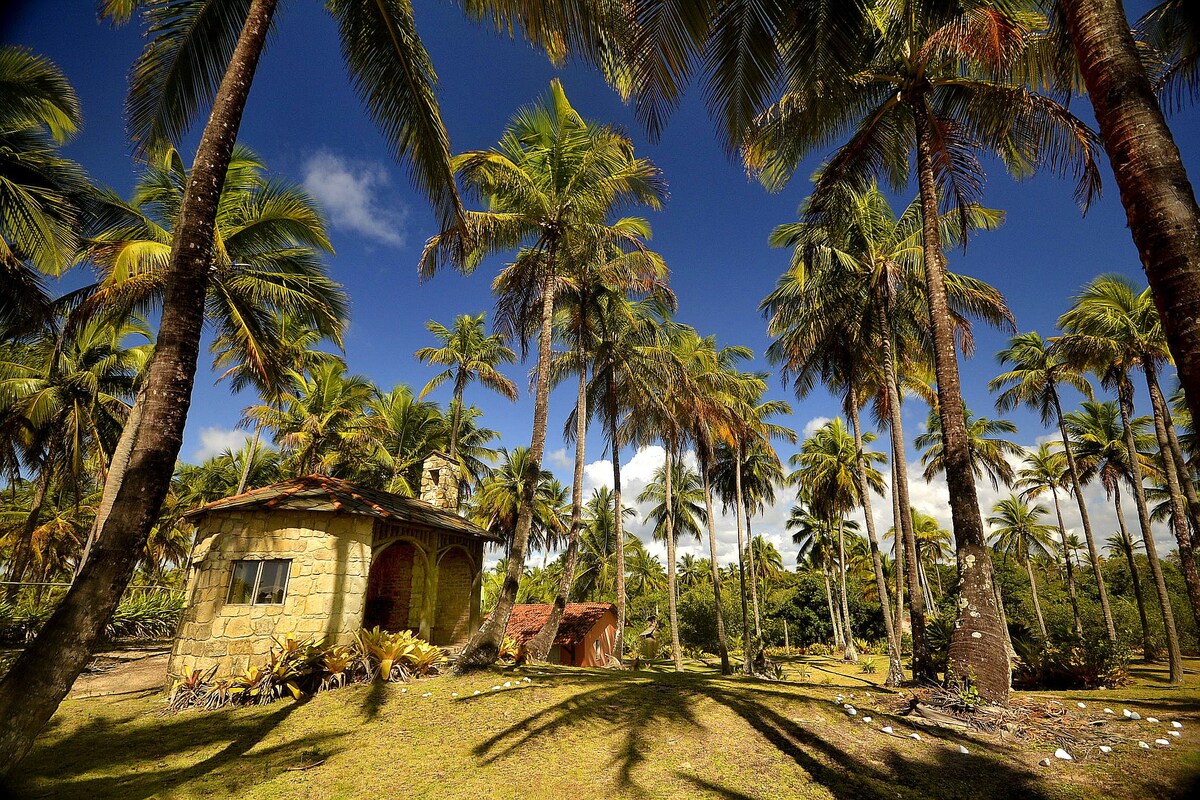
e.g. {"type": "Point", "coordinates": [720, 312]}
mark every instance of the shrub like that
{"type": "Point", "coordinates": [818, 649]}
{"type": "Point", "coordinates": [140, 615]}
{"type": "Point", "coordinates": [867, 666]}
{"type": "Point", "coordinates": [1069, 665]}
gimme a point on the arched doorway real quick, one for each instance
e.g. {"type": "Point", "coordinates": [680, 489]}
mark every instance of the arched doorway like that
{"type": "Point", "coordinates": [394, 572]}
{"type": "Point", "coordinates": [456, 581]}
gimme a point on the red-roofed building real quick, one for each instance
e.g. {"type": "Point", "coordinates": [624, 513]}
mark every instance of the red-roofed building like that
{"type": "Point", "coordinates": [586, 635]}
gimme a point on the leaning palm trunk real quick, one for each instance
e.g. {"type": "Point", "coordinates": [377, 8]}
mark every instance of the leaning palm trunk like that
{"type": "Point", "coordinates": [1179, 511]}
{"type": "Point", "coordinates": [923, 668]}
{"type": "Point", "coordinates": [1062, 535]}
{"type": "Point", "coordinates": [722, 644]}
{"type": "Point", "coordinates": [748, 651]}
{"type": "Point", "coordinates": [851, 652]}
{"type": "Point", "coordinates": [898, 540]}
{"type": "Point", "coordinates": [1174, 659]}
{"type": "Point", "coordinates": [1160, 205]}
{"type": "Point", "coordinates": [977, 651]}
{"type": "Point", "coordinates": [1037, 604]}
{"type": "Point", "coordinates": [895, 669]}
{"type": "Point", "coordinates": [539, 646]}
{"type": "Point", "coordinates": [672, 574]}
{"type": "Point", "coordinates": [1147, 647]}
{"type": "Point", "coordinates": [484, 647]}
{"type": "Point", "coordinates": [43, 674]}
{"type": "Point", "coordinates": [1185, 476]}
{"type": "Point", "coordinates": [839, 641]}
{"type": "Point", "coordinates": [1085, 519]}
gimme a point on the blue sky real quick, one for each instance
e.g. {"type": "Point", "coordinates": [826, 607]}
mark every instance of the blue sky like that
{"type": "Point", "coordinates": [308, 126]}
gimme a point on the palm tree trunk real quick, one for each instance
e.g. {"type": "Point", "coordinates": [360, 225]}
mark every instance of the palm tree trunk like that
{"type": "Point", "coordinates": [23, 549]}
{"type": "Point", "coordinates": [539, 646]}
{"type": "Point", "coordinates": [923, 667]}
{"type": "Point", "coordinates": [895, 669]}
{"type": "Point", "coordinates": [1147, 648]}
{"type": "Point", "coordinates": [250, 455]}
{"type": "Point", "coordinates": [977, 648]}
{"type": "Point", "coordinates": [747, 637]}
{"type": "Point", "coordinates": [1160, 205]}
{"type": "Point", "coordinates": [1179, 511]}
{"type": "Point", "coordinates": [851, 652]}
{"type": "Point", "coordinates": [1174, 658]}
{"type": "Point", "coordinates": [1037, 605]}
{"type": "Point", "coordinates": [456, 415]}
{"type": "Point", "coordinates": [839, 640]}
{"type": "Point", "coordinates": [618, 521]}
{"type": "Point", "coordinates": [484, 647]}
{"type": "Point", "coordinates": [1062, 535]}
{"type": "Point", "coordinates": [754, 579]}
{"type": "Point", "coordinates": [1185, 478]}
{"type": "Point", "coordinates": [898, 541]}
{"type": "Point", "coordinates": [672, 576]}
{"type": "Point", "coordinates": [43, 674]}
{"type": "Point", "coordinates": [722, 644]}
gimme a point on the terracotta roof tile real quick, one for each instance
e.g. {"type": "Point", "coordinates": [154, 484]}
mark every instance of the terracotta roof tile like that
{"type": "Point", "coordinates": [578, 618]}
{"type": "Point", "coordinates": [323, 493]}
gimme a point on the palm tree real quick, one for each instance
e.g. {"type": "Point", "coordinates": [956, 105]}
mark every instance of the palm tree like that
{"type": "Point", "coordinates": [468, 354]}
{"type": "Point", "coordinates": [596, 578]}
{"type": "Point", "coordinates": [1160, 205]}
{"type": "Point", "coordinates": [1114, 314]}
{"type": "Point", "coordinates": [692, 571]}
{"type": "Point", "coordinates": [989, 452]}
{"type": "Point", "coordinates": [1099, 336]}
{"type": "Point", "coordinates": [64, 397]}
{"type": "Point", "coordinates": [1046, 470]}
{"type": "Point", "coordinates": [686, 512]}
{"type": "Point", "coordinates": [398, 432]}
{"type": "Point", "coordinates": [814, 538]}
{"type": "Point", "coordinates": [1098, 437]}
{"type": "Point", "coordinates": [1037, 370]}
{"type": "Point", "coordinates": [1018, 531]}
{"type": "Point", "coordinates": [551, 185]}
{"type": "Point", "coordinates": [500, 501]}
{"type": "Point", "coordinates": [828, 476]}
{"type": "Point", "coordinates": [921, 83]}
{"type": "Point", "coordinates": [762, 472]}
{"type": "Point", "coordinates": [319, 425]}
{"type": "Point", "coordinates": [767, 560]}
{"type": "Point", "coordinates": [645, 573]}
{"type": "Point", "coordinates": [852, 300]}
{"type": "Point", "coordinates": [41, 191]}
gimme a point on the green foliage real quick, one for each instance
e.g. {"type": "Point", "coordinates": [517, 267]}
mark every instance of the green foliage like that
{"type": "Point", "coordinates": [1090, 664]}
{"type": "Point", "coordinates": [867, 666]}
{"type": "Point", "coordinates": [140, 615]}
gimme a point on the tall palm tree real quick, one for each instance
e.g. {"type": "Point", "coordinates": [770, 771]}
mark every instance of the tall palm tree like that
{"type": "Point", "coordinates": [1036, 371]}
{"type": "Point", "coordinates": [1098, 437]}
{"type": "Point", "coordinates": [1093, 341]}
{"type": "Point", "coordinates": [989, 451]}
{"type": "Point", "coordinates": [468, 354]}
{"type": "Point", "coordinates": [42, 192]}
{"type": "Point", "coordinates": [1112, 317]}
{"type": "Point", "coordinates": [551, 184]}
{"type": "Point", "coordinates": [686, 511]}
{"type": "Point", "coordinates": [814, 537]}
{"type": "Point", "coordinates": [501, 499]}
{"type": "Point", "coordinates": [852, 310]}
{"type": "Point", "coordinates": [1046, 470]}
{"type": "Point", "coordinates": [1160, 204]}
{"type": "Point", "coordinates": [1018, 532]}
{"type": "Point", "coordinates": [762, 472]}
{"type": "Point", "coordinates": [596, 579]}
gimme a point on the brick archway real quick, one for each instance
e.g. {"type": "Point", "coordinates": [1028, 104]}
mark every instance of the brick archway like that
{"type": "Point", "coordinates": [394, 572]}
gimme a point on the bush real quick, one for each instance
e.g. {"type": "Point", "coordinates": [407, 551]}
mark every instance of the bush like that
{"type": "Point", "coordinates": [867, 666]}
{"type": "Point", "coordinates": [140, 615]}
{"type": "Point", "coordinates": [818, 649]}
{"type": "Point", "coordinates": [1058, 666]}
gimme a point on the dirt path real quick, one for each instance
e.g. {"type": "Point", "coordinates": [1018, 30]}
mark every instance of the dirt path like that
{"type": "Point", "coordinates": [117, 672]}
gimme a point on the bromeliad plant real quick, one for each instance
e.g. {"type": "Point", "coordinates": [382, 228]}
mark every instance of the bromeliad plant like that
{"type": "Point", "coordinates": [299, 667]}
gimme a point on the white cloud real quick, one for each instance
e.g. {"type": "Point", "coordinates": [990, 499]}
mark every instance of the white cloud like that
{"type": "Point", "coordinates": [811, 426]}
{"type": "Point", "coordinates": [353, 194]}
{"type": "Point", "coordinates": [560, 458]}
{"type": "Point", "coordinates": [213, 441]}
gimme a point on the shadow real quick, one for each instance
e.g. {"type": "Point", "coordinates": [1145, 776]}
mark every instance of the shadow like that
{"type": "Point", "coordinates": [373, 699]}
{"type": "Point", "coordinates": [845, 759]}
{"type": "Point", "coordinates": [117, 760]}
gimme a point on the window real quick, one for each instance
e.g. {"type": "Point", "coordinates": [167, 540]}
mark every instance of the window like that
{"type": "Point", "coordinates": [259, 582]}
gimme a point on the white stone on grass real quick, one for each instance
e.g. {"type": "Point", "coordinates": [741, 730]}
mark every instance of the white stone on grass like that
{"type": "Point", "coordinates": [866, 719]}
{"type": "Point", "coordinates": [886, 729]}
{"type": "Point", "coordinates": [1151, 719]}
{"type": "Point", "coordinates": [1045, 762]}
{"type": "Point", "coordinates": [1175, 725]}
{"type": "Point", "coordinates": [1082, 705]}
{"type": "Point", "coordinates": [455, 694]}
{"type": "Point", "coordinates": [1176, 734]}
{"type": "Point", "coordinates": [495, 688]}
{"type": "Point", "coordinates": [1063, 754]}
{"type": "Point", "coordinates": [1162, 742]}
{"type": "Point", "coordinates": [916, 736]}
{"type": "Point", "coordinates": [849, 711]}
{"type": "Point", "coordinates": [476, 691]}
{"type": "Point", "coordinates": [1108, 711]}
{"type": "Point", "coordinates": [1105, 748]}
{"type": "Point", "coordinates": [962, 750]}
{"type": "Point", "coordinates": [1143, 745]}
{"type": "Point", "coordinates": [508, 684]}
{"type": "Point", "coordinates": [427, 694]}
{"type": "Point", "coordinates": [405, 691]}
{"type": "Point", "coordinates": [1126, 712]}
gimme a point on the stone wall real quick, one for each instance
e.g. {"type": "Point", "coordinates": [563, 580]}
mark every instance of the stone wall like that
{"type": "Point", "coordinates": [326, 590]}
{"type": "Point", "coordinates": [439, 482]}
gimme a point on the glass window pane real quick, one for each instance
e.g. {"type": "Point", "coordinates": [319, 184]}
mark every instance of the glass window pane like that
{"type": "Point", "coordinates": [241, 587]}
{"type": "Point", "coordinates": [272, 583]}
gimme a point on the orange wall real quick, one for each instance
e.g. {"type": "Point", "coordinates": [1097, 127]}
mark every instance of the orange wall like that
{"type": "Point", "coordinates": [604, 632]}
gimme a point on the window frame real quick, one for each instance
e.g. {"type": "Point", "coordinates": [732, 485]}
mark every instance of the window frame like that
{"type": "Point", "coordinates": [258, 573]}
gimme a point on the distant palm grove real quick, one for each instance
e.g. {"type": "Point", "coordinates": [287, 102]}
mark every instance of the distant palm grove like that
{"type": "Point", "coordinates": [1084, 563]}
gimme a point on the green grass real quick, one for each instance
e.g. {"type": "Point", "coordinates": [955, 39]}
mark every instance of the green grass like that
{"type": "Point", "coordinates": [648, 734]}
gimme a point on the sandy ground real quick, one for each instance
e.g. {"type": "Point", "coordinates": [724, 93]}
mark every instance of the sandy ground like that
{"type": "Point", "coordinates": [115, 672]}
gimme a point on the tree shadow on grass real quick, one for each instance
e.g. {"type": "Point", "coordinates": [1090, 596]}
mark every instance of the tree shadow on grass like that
{"type": "Point", "coordinates": [135, 755]}
{"type": "Point", "coordinates": [632, 704]}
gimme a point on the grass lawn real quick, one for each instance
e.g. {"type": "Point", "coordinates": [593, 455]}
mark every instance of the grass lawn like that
{"type": "Point", "coordinates": [569, 732]}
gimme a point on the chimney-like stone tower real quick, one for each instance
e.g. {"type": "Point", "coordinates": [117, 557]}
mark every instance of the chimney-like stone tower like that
{"type": "Point", "coordinates": [439, 482]}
